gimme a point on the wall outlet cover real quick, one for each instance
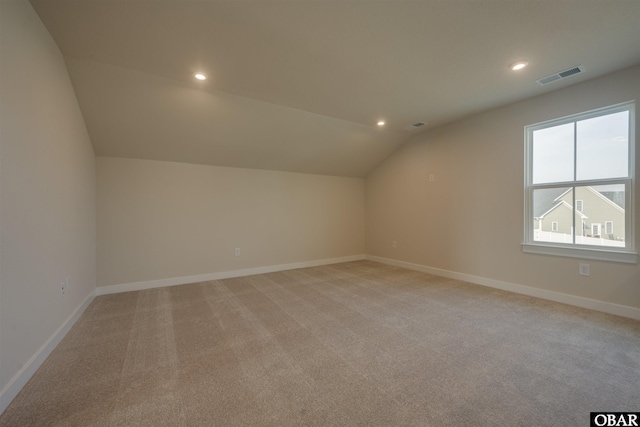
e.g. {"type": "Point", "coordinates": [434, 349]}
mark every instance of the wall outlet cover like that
{"type": "Point", "coordinates": [584, 269]}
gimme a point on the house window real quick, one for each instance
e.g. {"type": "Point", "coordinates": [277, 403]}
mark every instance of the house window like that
{"type": "Point", "coordinates": [608, 227]}
{"type": "Point", "coordinates": [580, 169]}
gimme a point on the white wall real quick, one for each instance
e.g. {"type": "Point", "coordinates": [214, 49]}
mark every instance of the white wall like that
{"type": "Point", "coordinates": [470, 220]}
{"type": "Point", "coordinates": [47, 192]}
{"type": "Point", "coordinates": [159, 220]}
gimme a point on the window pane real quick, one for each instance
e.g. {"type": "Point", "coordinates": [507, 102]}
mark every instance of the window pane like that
{"type": "Point", "coordinates": [602, 221]}
{"type": "Point", "coordinates": [552, 215]}
{"type": "Point", "coordinates": [608, 227]}
{"type": "Point", "coordinates": [603, 147]}
{"type": "Point", "coordinates": [553, 154]}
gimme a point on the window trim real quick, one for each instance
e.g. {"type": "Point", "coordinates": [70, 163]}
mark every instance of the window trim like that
{"type": "Point", "coordinates": [625, 255]}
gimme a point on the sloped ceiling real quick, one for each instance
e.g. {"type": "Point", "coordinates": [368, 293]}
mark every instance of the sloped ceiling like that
{"type": "Point", "coordinates": [299, 85]}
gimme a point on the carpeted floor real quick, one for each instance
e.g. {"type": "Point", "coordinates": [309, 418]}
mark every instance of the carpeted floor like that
{"type": "Point", "coordinates": [353, 344]}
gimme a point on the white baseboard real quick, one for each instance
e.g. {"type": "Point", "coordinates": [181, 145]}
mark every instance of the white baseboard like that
{"type": "Point", "coordinates": [11, 390]}
{"type": "Point", "coordinates": [173, 281]}
{"type": "Point", "coordinates": [606, 307]}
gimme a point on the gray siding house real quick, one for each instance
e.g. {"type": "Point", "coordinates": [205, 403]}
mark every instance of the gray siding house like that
{"type": "Point", "coordinates": [599, 215]}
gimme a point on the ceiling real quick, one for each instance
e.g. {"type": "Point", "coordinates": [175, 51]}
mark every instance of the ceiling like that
{"type": "Point", "coordinates": [299, 85]}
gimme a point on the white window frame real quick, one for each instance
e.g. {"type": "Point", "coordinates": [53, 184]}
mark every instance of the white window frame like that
{"type": "Point", "coordinates": [580, 205]}
{"type": "Point", "coordinates": [554, 225]}
{"type": "Point", "coordinates": [608, 227]}
{"type": "Point", "coordinates": [627, 254]}
{"type": "Point", "coordinates": [596, 229]}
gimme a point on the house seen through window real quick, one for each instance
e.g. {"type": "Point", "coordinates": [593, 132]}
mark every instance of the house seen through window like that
{"type": "Point", "coordinates": [579, 180]}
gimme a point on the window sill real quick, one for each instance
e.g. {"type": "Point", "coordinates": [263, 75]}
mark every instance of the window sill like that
{"type": "Point", "coordinates": [584, 253]}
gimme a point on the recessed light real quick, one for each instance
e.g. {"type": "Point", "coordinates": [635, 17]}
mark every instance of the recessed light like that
{"type": "Point", "coordinates": [200, 76]}
{"type": "Point", "coordinates": [381, 123]}
{"type": "Point", "coordinates": [518, 65]}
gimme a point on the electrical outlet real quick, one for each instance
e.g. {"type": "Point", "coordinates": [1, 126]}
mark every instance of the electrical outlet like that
{"type": "Point", "coordinates": [432, 177]}
{"type": "Point", "coordinates": [583, 269]}
{"type": "Point", "coordinates": [65, 287]}
{"type": "Point", "coordinates": [236, 252]}
{"type": "Point", "coordinates": [394, 244]}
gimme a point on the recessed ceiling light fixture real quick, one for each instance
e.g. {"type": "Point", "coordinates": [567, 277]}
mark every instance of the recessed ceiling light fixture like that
{"type": "Point", "coordinates": [200, 76]}
{"type": "Point", "coordinates": [518, 65]}
{"type": "Point", "coordinates": [381, 123]}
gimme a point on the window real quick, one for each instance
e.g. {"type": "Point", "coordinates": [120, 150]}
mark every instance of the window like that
{"type": "Point", "coordinates": [608, 227]}
{"type": "Point", "coordinates": [580, 173]}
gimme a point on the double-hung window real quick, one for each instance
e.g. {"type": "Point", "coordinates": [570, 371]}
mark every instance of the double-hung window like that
{"type": "Point", "coordinates": [579, 181]}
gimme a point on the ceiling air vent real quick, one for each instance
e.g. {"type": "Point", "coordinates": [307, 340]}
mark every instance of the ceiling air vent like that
{"type": "Point", "coordinates": [415, 126]}
{"type": "Point", "coordinates": [561, 75]}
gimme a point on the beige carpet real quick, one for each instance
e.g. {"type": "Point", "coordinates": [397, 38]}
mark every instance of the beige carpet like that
{"type": "Point", "coordinates": [354, 344]}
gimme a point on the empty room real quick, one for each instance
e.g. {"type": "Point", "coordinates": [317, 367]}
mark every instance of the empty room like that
{"type": "Point", "coordinates": [319, 212]}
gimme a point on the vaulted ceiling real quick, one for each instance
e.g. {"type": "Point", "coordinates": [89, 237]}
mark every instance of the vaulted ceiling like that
{"type": "Point", "coordinates": [299, 85]}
